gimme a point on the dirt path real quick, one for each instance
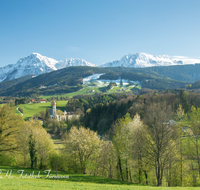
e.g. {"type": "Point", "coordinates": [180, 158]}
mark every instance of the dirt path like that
{"type": "Point", "coordinates": [19, 111]}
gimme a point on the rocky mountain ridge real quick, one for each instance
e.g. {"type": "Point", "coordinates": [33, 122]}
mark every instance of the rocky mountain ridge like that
{"type": "Point", "coordinates": [36, 64]}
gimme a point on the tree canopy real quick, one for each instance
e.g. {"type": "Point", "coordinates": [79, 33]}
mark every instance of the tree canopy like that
{"type": "Point", "coordinates": [10, 124]}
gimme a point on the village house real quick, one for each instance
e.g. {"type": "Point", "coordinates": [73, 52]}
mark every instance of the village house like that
{"type": "Point", "coordinates": [42, 101]}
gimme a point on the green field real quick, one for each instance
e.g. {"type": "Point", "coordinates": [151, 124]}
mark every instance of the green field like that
{"type": "Point", "coordinates": [17, 181]}
{"type": "Point", "coordinates": [30, 109]}
{"type": "Point", "coordinates": [85, 89]}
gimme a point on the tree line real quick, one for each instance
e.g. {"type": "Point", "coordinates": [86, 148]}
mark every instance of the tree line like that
{"type": "Point", "coordinates": [150, 139]}
{"type": "Point", "coordinates": [158, 150]}
{"type": "Point", "coordinates": [20, 101]}
{"type": "Point", "coordinates": [101, 115]}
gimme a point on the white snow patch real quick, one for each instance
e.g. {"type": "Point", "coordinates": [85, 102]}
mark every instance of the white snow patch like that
{"type": "Point", "coordinates": [105, 82]}
{"type": "Point", "coordinates": [125, 81]}
{"type": "Point", "coordinates": [92, 77]}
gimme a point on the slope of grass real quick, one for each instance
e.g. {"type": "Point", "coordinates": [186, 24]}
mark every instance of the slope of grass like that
{"type": "Point", "coordinates": [82, 91]}
{"type": "Point", "coordinates": [85, 91]}
{"type": "Point", "coordinates": [15, 180]}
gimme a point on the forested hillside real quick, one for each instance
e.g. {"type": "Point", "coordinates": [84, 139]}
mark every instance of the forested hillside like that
{"type": "Point", "coordinates": [60, 81]}
{"type": "Point", "coordinates": [189, 73]}
{"type": "Point", "coordinates": [71, 79]}
{"type": "Point", "coordinates": [101, 112]}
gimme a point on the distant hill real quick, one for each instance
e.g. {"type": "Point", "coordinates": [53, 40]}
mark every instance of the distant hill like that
{"type": "Point", "coordinates": [61, 81]}
{"type": "Point", "coordinates": [188, 73]}
{"type": "Point", "coordinates": [195, 85]}
{"type": "Point", "coordinates": [70, 79]}
{"type": "Point", "coordinates": [7, 84]}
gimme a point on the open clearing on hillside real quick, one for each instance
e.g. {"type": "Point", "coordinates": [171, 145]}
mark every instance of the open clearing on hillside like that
{"type": "Point", "coordinates": [98, 85]}
{"type": "Point", "coordinates": [97, 89]}
{"type": "Point", "coordinates": [70, 181]}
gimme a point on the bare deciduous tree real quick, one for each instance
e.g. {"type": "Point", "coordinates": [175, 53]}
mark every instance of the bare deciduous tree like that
{"type": "Point", "coordinates": [158, 138]}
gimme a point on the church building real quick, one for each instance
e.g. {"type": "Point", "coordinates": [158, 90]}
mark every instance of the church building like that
{"type": "Point", "coordinates": [53, 111]}
{"type": "Point", "coordinates": [54, 114]}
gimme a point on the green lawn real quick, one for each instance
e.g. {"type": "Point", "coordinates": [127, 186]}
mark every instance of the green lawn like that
{"type": "Point", "coordinates": [71, 181]}
{"type": "Point", "coordinates": [97, 89]}
{"type": "Point", "coordinates": [30, 109]}
{"type": "Point", "coordinates": [84, 90]}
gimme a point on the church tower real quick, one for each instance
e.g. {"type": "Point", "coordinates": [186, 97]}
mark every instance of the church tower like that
{"type": "Point", "coordinates": [54, 109]}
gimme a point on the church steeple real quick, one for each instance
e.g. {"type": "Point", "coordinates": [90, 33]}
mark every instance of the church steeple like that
{"type": "Point", "coordinates": [54, 109]}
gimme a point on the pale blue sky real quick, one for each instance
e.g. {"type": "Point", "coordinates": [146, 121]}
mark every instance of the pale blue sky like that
{"type": "Point", "coordinates": [98, 31]}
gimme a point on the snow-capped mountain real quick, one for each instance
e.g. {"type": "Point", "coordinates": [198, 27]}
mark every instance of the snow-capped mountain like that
{"type": "Point", "coordinates": [73, 62]}
{"type": "Point", "coordinates": [143, 60]}
{"type": "Point", "coordinates": [36, 64]}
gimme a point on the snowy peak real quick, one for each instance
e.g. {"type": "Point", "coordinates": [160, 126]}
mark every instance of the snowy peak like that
{"type": "Point", "coordinates": [138, 60]}
{"type": "Point", "coordinates": [73, 62]}
{"type": "Point", "coordinates": [36, 59]}
{"type": "Point", "coordinates": [36, 64]}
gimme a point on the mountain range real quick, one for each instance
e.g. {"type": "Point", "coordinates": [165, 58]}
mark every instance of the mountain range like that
{"type": "Point", "coordinates": [139, 60]}
{"type": "Point", "coordinates": [36, 64]}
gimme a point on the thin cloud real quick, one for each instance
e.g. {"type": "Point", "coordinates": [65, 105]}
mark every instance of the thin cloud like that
{"type": "Point", "coordinates": [186, 60]}
{"type": "Point", "coordinates": [73, 49]}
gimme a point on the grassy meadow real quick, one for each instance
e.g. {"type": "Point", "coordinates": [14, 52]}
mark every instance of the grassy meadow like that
{"type": "Point", "coordinates": [85, 89]}
{"type": "Point", "coordinates": [30, 109]}
{"type": "Point", "coordinates": [82, 91]}
{"type": "Point", "coordinates": [29, 180]}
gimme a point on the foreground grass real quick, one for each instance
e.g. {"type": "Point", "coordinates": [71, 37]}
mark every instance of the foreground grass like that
{"type": "Point", "coordinates": [16, 181]}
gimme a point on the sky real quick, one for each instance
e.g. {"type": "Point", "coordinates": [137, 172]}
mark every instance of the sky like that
{"type": "Point", "coordinates": [98, 31]}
